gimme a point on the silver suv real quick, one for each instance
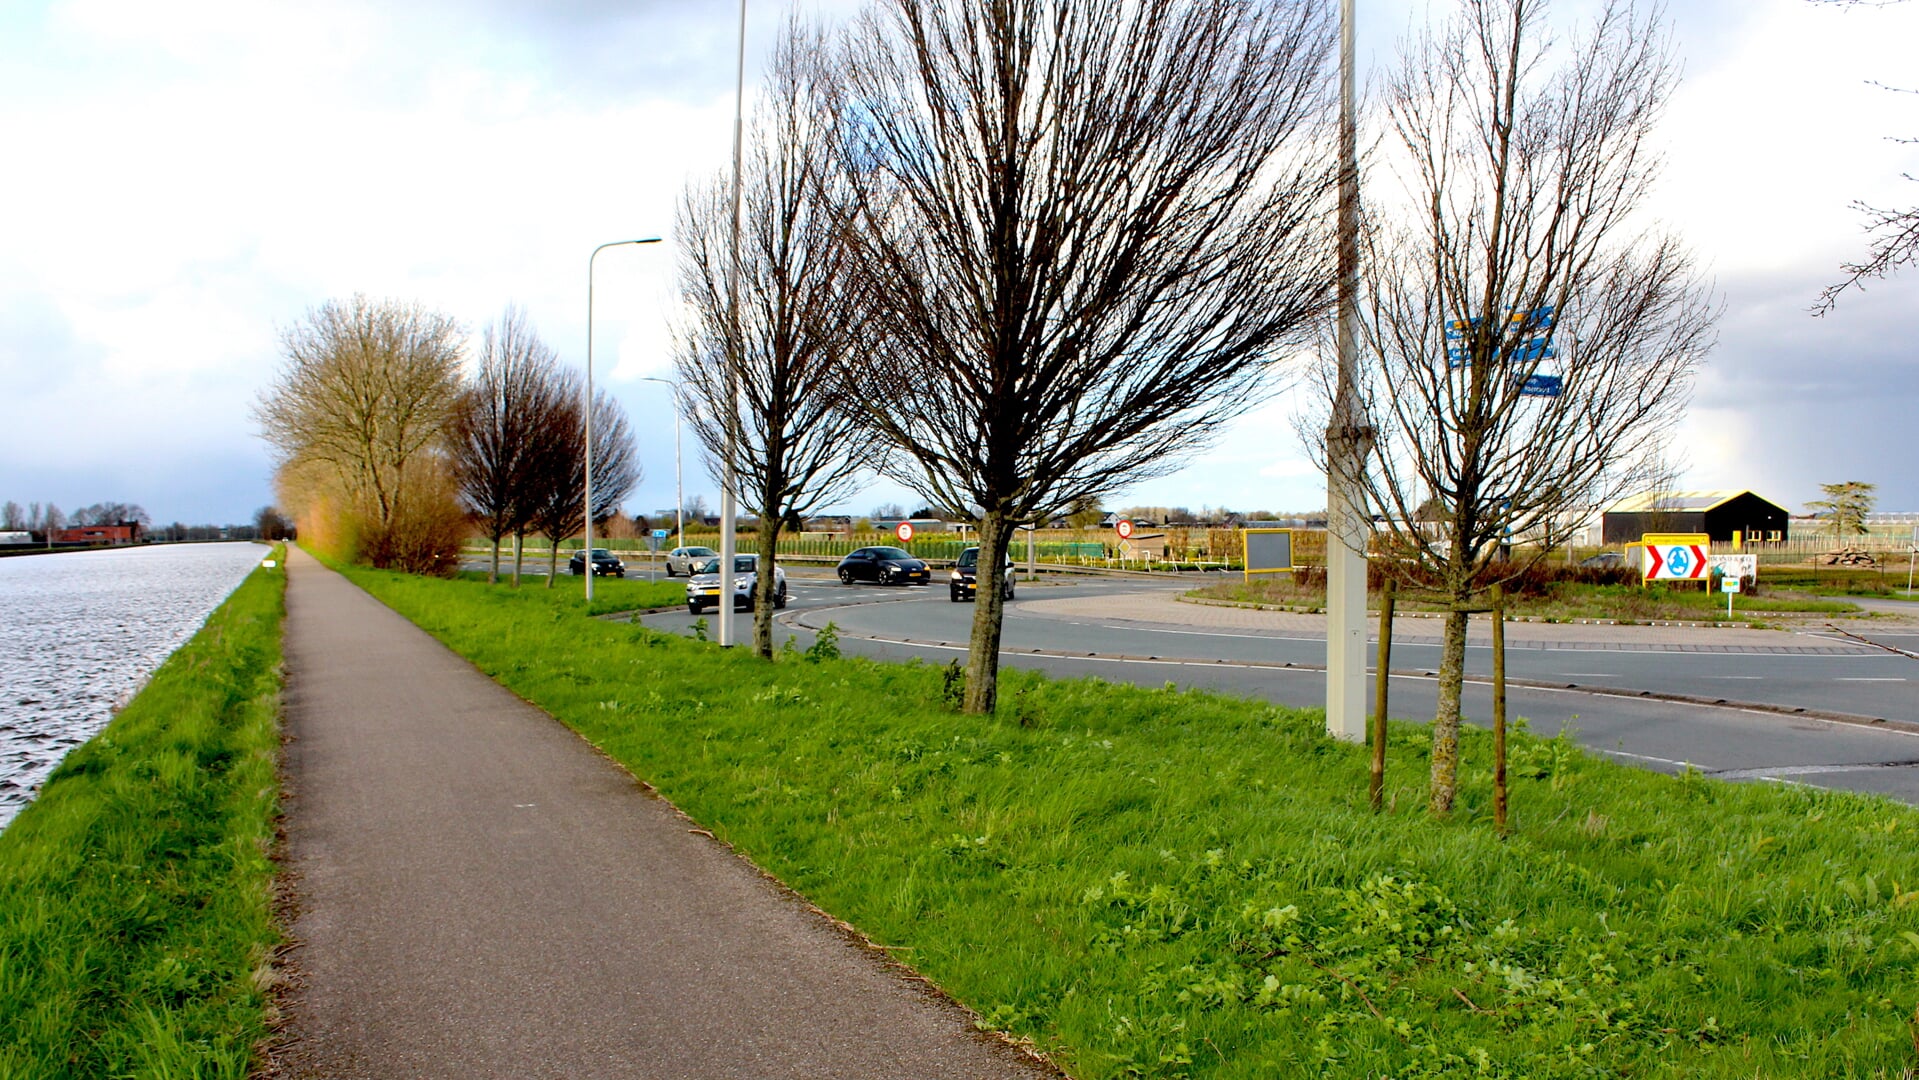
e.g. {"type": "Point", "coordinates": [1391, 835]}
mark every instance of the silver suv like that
{"type": "Point", "coordinates": [703, 588]}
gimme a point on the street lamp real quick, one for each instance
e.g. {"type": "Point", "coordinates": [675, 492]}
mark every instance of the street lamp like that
{"type": "Point", "coordinates": [588, 415]}
{"type": "Point", "coordinates": [1348, 440]}
{"type": "Point", "coordinates": [679, 487]}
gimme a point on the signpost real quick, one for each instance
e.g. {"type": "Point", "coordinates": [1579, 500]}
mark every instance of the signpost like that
{"type": "Point", "coordinates": [1124, 528]}
{"type": "Point", "coordinates": [904, 532]}
{"type": "Point", "coordinates": [1729, 585]}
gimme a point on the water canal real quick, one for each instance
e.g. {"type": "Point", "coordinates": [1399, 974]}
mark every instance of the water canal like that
{"type": "Point", "coordinates": [80, 632]}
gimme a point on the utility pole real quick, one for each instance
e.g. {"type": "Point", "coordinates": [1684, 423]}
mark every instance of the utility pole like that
{"type": "Point", "coordinates": [1348, 441]}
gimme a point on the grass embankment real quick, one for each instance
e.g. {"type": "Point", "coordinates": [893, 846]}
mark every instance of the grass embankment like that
{"type": "Point", "coordinates": [1152, 882]}
{"type": "Point", "coordinates": [1560, 601]}
{"type": "Point", "coordinates": [136, 892]}
{"type": "Point", "coordinates": [610, 594]}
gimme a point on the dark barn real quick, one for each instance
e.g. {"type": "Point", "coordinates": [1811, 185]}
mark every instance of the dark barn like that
{"type": "Point", "coordinates": [1718, 514]}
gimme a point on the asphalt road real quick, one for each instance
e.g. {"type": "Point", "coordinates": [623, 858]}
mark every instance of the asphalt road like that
{"type": "Point", "coordinates": [1817, 671]}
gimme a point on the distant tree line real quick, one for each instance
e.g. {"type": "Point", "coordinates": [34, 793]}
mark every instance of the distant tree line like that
{"type": "Point", "coordinates": [39, 519]}
{"type": "Point", "coordinates": [390, 453]}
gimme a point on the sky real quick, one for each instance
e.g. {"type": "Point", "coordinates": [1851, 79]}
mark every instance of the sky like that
{"type": "Point", "coordinates": [183, 182]}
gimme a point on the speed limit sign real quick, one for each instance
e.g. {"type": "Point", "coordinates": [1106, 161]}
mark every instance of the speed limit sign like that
{"type": "Point", "coordinates": [1124, 528]}
{"type": "Point", "coordinates": [904, 532]}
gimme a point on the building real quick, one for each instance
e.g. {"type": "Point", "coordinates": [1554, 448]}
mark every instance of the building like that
{"type": "Point", "coordinates": [127, 532]}
{"type": "Point", "coordinates": [15, 539]}
{"type": "Point", "coordinates": [1718, 514]}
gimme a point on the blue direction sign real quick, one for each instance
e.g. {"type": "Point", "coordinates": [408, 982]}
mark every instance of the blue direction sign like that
{"type": "Point", "coordinates": [1541, 386]}
{"type": "Point", "coordinates": [661, 534]}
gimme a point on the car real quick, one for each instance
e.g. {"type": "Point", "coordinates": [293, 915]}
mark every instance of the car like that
{"type": "Point", "coordinates": [605, 563]}
{"type": "Point", "coordinates": [681, 560]}
{"type": "Point", "coordinates": [703, 585]}
{"type": "Point", "coordinates": [884, 566]}
{"type": "Point", "coordinates": [1604, 560]}
{"type": "Point", "coordinates": [965, 576]}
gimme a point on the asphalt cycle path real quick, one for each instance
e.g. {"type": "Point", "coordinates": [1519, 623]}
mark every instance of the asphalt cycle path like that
{"type": "Point", "coordinates": [479, 893]}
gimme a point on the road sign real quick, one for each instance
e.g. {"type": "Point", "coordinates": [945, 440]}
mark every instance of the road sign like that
{"type": "Point", "coordinates": [1124, 528]}
{"type": "Point", "coordinates": [660, 534]}
{"type": "Point", "coordinates": [1268, 551]}
{"type": "Point", "coordinates": [904, 532]}
{"type": "Point", "coordinates": [1676, 562]}
{"type": "Point", "coordinates": [1541, 386]}
{"type": "Point", "coordinates": [1729, 584]}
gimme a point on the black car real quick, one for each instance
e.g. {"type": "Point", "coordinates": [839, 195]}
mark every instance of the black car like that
{"type": "Point", "coordinates": [605, 564]}
{"type": "Point", "coordinates": [885, 565]}
{"type": "Point", "coordinates": [965, 578]}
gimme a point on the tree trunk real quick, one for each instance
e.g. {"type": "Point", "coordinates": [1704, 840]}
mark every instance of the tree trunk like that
{"type": "Point", "coordinates": [982, 661]}
{"type": "Point", "coordinates": [552, 559]}
{"type": "Point", "coordinates": [1452, 672]}
{"type": "Point", "coordinates": [764, 585]}
{"type": "Point", "coordinates": [493, 575]}
{"type": "Point", "coordinates": [519, 549]}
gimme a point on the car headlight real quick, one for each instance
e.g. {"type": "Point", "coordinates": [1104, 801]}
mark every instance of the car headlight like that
{"type": "Point", "coordinates": [956, 575]}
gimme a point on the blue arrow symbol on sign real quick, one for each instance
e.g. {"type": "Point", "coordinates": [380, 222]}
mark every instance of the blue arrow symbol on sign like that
{"type": "Point", "coordinates": [1679, 561]}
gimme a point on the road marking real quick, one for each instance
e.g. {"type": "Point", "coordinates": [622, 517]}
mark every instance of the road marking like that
{"type": "Point", "coordinates": [1806, 770]}
{"type": "Point", "coordinates": [1649, 757]}
{"type": "Point", "coordinates": [1591, 675]}
{"type": "Point", "coordinates": [1866, 678]}
{"type": "Point", "coordinates": [1735, 676]}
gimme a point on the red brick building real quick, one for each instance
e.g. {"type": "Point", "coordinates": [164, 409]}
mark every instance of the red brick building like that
{"type": "Point", "coordinates": [127, 532]}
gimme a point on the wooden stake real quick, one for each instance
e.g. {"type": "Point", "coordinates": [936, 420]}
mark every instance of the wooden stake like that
{"type": "Point", "coordinates": [1499, 710]}
{"type": "Point", "coordinates": [1378, 788]}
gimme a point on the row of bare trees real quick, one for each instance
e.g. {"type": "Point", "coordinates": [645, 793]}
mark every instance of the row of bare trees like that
{"type": "Point", "coordinates": [388, 452]}
{"type": "Point", "coordinates": [1018, 254]}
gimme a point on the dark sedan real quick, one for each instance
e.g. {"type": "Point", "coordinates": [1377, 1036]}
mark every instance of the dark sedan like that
{"type": "Point", "coordinates": [605, 563]}
{"type": "Point", "coordinates": [884, 566]}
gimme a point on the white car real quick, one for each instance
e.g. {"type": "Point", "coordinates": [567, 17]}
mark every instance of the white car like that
{"type": "Point", "coordinates": [682, 560]}
{"type": "Point", "coordinates": [703, 588]}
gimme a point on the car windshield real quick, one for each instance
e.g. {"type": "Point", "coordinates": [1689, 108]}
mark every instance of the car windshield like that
{"type": "Point", "coordinates": [742, 564]}
{"type": "Point", "coordinates": [891, 553]}
{"type": "Point", "coordinates": [701, 553]}
{"type": "Point", "coordinates": [969, 558]}
{"type": "Point", "coordinates": [602, 553]}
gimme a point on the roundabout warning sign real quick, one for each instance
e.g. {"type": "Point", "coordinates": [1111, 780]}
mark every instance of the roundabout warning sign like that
{"type": "Point", "coordinates": [1676, 562]}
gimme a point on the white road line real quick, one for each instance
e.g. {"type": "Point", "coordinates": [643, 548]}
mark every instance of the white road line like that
{"type": "Point", "coordinates": [1735, 676]}
{"type": "Point", "coordinates": [1593, 675]}
{"type": "Point", "coordinates": [1866, 678]}
{"type": "Point", "coordinates": [1649, 757]}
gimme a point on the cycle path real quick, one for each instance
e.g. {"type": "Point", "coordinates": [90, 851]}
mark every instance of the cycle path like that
{"type": "Point", "coordinates": [478, 893]}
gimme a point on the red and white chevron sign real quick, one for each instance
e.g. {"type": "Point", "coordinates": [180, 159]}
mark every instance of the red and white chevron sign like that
{"type": "Point", "coordinates": [1676, 562]}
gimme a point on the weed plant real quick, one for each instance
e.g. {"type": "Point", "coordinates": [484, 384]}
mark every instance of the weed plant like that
{"type": "Point", "coordinates": [1152, 882]}
{"type": "Point", "coordinates": [136, 890]}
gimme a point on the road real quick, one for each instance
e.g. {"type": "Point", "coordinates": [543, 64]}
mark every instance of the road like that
{"type": "Point", "coordinates": [1133, 630]}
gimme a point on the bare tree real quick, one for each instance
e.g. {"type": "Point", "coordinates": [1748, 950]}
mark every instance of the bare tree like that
{"type": "Point", "coordinates": [1894, 232]}
{"type": "Point", "coordinates": [13, 518]}
{"type": "Point", "coordinates": [493, 438]}
{"type": "Point", "coordinates": [1087, 230]}
{"type": "Point", "coordinates": [557, 465]}
{"type": "Point", "coordinates": [792, 445]}
{"type": "Point", "coordinates": [367, 391]}
{"type": "Point", "coordinates": [1531, 343]}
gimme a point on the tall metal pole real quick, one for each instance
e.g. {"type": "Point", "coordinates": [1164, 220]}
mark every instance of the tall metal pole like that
{"type": "Point", "coordinates": [679, 484]}
{"type": "Point", "coordinates": [728, 543]}
{"type": "Point", "coordinates": [1347, 444]}
{"type": "Point", "coordinates": [587, 414]}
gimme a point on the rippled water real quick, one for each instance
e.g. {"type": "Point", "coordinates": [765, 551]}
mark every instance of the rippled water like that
{"type": "Point", "coordinates": [80, 632]}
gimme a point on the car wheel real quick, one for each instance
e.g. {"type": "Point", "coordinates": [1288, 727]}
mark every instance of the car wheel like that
{"type": "Point", "coordinates": [886, 575]}
{"type": "Point", "coordinates": [1009, 589]}
{"type": "Point", "coordinates": [669, 570]}
{"type": "Point", "coordinates": [779, 598]}
{"type": "Point", "coordinates": [955, 593]}
{"type": "Point", "coordinates": [692, 608]}
{"type": "Point", "coordinates": [846, 576]}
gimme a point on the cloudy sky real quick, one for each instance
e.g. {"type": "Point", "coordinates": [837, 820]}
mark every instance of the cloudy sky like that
{"type": "Point", "coordinates": [183, 181]}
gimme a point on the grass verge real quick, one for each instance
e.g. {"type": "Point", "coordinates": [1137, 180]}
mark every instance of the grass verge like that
{"type": "Point", "coordinates": [136, 892]}
{"type": "Point", "coordinates": [611, 595]}
{"type": "Point", "coordinates": [1160, 883]}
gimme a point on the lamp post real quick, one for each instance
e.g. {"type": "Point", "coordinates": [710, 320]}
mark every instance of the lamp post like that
{"type": "Point", "coordinates": [1348, 441]}
{"type": "Point", "coordinates": [679, 488]}
{"type": "Point", "coordinates": [587, 415]}
{"type": "Point", "coordinates": [728, 503]}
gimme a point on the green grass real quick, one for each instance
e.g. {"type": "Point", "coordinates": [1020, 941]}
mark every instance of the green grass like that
{"type": "Point", "coordinates": [568, 594]}
{"type": "Point", "coordinates": [1887, 582]}
{"type": "Point", "coordinates": [136, 892]}
{"type": "Point", "coordinates": [1148, 882]}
